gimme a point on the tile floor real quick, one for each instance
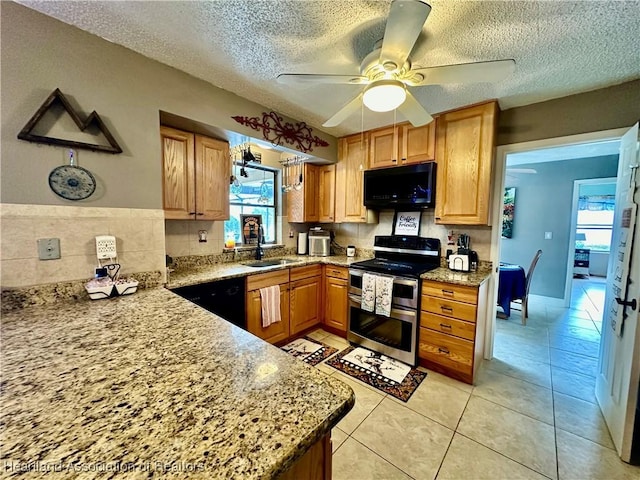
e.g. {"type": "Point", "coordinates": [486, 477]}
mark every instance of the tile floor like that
{"type": "Point", "coordinates": [531, 415]}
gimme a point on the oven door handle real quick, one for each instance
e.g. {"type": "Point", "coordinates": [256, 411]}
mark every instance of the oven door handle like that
{"type": "Point", "coordinates": [402, 314]}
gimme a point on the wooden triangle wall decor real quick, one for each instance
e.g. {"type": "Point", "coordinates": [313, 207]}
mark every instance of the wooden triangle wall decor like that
{"type": "Point", "coordinates": [92, 120]}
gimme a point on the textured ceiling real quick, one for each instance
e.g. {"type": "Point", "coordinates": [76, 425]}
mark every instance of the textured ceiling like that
{"type": "Point", "coordinates": [560, 47]}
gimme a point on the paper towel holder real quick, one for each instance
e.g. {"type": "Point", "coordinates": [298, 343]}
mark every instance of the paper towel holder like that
{"type": "Point", "coordinates": [302, 243]}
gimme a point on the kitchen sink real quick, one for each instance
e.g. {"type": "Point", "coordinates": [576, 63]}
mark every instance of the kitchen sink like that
{"type": "Point", "coordinates": [272, 262]}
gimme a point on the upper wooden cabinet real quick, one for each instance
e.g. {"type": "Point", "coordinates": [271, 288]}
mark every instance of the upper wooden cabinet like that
{"type": "Point", "coordinates": [401, 145]}
{"type": "Point", "coordinates": [327, 193]}
{"type": "Point", "coordinates": [195, 176]}
{"type": "Point", "coordinates": [352, 162]}
{"type": "Point", "coordinates": [465, 141]}
{"type": "Point", "coordinates": [303, 205]}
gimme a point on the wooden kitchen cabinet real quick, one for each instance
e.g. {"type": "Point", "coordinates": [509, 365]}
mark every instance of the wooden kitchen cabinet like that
{"type": "Point", "coordinates": [303, 205]}
{"type": "Point", "coordinates": [465, 141]}
{"type": "Point", "coordinates": [336, 294]}
{"type": "Point", "coordinates": [195, 180]}
{"type": "Point", "coordinates": [276, 332]}
{"type": "Point", "coordinates": [305, 298]}
{"type": "Point", "coordinates": [327, 193]}
{"type": "Point", "coordinates": [352, 162]}
{"type": "Point", "coordinates": [402, 144]}
{"type": "Point", "coordinates": [451, 338]}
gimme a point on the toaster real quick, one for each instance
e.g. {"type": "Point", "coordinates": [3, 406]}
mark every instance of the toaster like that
{"type": "Point", "coordinates": [319, 243]}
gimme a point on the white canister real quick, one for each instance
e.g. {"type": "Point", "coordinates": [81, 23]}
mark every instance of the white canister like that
{"type": "Point", "coordinates": [302, 243]}
{"type": "Point", "coordinates": [351, 251]}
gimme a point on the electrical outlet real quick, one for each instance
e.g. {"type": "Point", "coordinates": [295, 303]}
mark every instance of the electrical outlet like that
{"type": "Point", "coordinates": [49, 248]}
{"type": "Point", "coordinates": [106, 247]}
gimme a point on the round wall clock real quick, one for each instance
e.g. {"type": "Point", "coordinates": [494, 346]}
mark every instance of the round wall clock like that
{"type": "Point", "coordinates": [72, 182]}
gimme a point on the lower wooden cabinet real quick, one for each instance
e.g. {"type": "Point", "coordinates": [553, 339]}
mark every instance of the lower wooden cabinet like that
{"type": "Point", "coordinates": [276, 332]}
{"type": "Point", "coordinates": [336, 294]}
{"type": "Point", "coordinates": [305, 298]}
{"type": "Point", "coordinates": [313, 465]}
{"type": "Point", "coordinates": [451, 337]}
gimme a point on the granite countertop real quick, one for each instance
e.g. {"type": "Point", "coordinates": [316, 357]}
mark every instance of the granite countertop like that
{"type": "Point", "coordinates": [219, 271]}
{"type": "Point", "coordinates": [471, 279]}
{"type": "Point", "coordinates": [150, 383]}
{"type": "Point", "coordinates": [193, 276]}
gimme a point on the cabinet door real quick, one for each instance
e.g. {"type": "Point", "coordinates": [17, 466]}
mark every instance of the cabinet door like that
{"type": "Point", "coordinates": [336, 298]}
{"type": "Point", "coordinates": [383, 147]}
{"type": "Point", "coordinates": [352, 162]}
{"type": "Point", "coordinates": [464, 152]}
{"type": "Point", "coordinates": [276, 332]}
{"type": "Point", "coordinates": [417, 144]}
{"type": "Point", "coordinates": [327, 196]}
{"type": "Point", "coordinates": [303, 205]}
{"type": "Point", "coordinates": [212, 171]}
{"type": "Point", "coordinates": [178, 173]}
{"type": "Point", "coordinates": [306, 303]}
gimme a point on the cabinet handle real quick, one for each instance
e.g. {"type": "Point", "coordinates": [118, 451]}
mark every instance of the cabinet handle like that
{"type": "Point", "coordinates": [394, 161]}
{"type": "Point", "coordinates": [444, 325]}
{"type": "Point", "coordinates": [199, 213]}
{"type": "Point", "coordinates": [446, 309]}
{"type": "Point", "coordinates": [191, 213]}
{"type": "Point", "coordinates": [404, 160]}
{"type": "Point", "coordinates": [447, 292]}
{"type": "Point", "coordinates": [444, 350]}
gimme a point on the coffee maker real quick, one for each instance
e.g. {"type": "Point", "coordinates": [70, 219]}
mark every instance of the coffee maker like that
{"type": "Point", "coordinates": [465, 260]}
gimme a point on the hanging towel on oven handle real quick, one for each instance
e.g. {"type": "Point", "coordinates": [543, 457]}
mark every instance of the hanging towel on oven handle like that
{"type": "Point", "coordinates": [368, 301]}
{"type": "Point", "coordinates": [384, 295]}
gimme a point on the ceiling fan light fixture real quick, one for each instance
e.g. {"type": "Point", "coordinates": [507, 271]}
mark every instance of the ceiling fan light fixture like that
{"type": "Point", "coordinates": [384, 95]}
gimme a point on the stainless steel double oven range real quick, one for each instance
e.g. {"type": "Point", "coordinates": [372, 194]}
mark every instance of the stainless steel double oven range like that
{"type": "Point", "coordinates": [405, 259]}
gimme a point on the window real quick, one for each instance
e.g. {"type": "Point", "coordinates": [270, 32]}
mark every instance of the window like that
{"type": "Point", "coordinates": [253, 194]}
{"type": "Point", "coordinates": [595, 220]}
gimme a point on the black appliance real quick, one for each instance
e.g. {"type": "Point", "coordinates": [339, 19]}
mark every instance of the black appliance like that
{"type": "Point", "coordinates": [405, 259]}
{"type": "Point", "coordinates": [407, 186]}
{"type": "Point", "coordinates": [225, 298]}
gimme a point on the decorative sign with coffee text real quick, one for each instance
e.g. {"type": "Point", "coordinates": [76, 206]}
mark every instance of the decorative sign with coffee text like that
{"type": "Point", "coordinates": [407, 223]}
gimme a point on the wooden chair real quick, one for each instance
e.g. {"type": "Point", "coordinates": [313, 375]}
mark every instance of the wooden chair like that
{"type": "Point", "coordinates": [525, 299]}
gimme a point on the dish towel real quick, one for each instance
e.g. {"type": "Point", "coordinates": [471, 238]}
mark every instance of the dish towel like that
{"type": "Point", "coordinates": [270, 297]}
{"type": "Point", "coordinates": [368, 302]}
{"type": "Point", "coordinates": [384, 293]}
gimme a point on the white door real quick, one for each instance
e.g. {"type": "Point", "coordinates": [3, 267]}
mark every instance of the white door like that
{"type": "Point", "coordinates": [619, 363]}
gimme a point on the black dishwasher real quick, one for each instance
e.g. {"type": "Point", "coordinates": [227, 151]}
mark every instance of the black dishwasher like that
{"type": "Point", "coordinates": [225, 298]}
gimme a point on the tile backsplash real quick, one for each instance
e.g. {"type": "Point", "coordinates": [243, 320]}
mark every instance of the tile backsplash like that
{"type": "Point", "coordinates": [140, 240]}
{"type": "Point", "coordinates": [362, 235]}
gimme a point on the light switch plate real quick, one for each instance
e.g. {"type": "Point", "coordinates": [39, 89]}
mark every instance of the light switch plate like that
{"type": "Point", "coordinates": [48, 248]}
{"type": "Point", "coordinates": [548, 235]}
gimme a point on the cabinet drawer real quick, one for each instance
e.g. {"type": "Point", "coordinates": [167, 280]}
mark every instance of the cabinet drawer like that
{"type": "Point", "coordinates": [460, 293]}
{"type": "Point", "coordinates": [298, 273]}
{"type": "Point", "coordinates": [447, 325]}
{"type": "Point", "coordinates": [446, 350]}
{"type": "Point", "coordinates": [449, 308]}
{"type": "Point", "coordinates": [261, 280]}
{"type": "Point", "coordinates": [337, 272]}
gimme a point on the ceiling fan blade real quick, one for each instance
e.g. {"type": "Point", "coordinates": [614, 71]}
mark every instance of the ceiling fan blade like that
{"type": "Point", "coordinates": [298, 78]}
{"type": "Point", "coordinates": [345, 112]}
{"type": "Point", "coordinates": [414, 112]}
{"type": "Point", "coordinates": [474, 72]}
{"type": "Point", "coordinates": [405, 22]}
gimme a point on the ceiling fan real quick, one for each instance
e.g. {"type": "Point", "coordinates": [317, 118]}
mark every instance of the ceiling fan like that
{"type": "Point", "coordinates": [387, 70]}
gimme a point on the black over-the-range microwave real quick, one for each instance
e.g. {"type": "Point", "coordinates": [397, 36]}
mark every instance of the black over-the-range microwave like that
{"type": "Point", "coordinates": [407, 186]}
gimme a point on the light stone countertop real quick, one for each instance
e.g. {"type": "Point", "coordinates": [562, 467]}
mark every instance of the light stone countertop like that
{"type": "Point", "coordinates": [151, 383]}
{"type": "Point", "coordinates": [220, 271]}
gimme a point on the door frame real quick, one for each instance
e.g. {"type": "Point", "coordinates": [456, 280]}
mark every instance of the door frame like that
{"type": "Point", "coordinates": [572, 232]}
{"type": "Point", "coordinates": [502, 152]}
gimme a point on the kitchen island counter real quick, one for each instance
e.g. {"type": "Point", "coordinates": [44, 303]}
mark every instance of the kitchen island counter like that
{"type": "Point", "coordinates": [150, 384]}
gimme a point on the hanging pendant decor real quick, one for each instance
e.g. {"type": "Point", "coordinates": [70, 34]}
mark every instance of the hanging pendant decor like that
{"type": "Point", "coordinates": [276, 130]}
{"type": "Point", "coordinates": [72, 182]}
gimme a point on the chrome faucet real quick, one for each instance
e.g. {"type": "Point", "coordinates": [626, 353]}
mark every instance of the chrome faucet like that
{"type": "Point", "coordinates": [259, 251]}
